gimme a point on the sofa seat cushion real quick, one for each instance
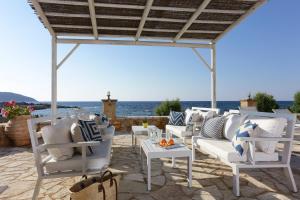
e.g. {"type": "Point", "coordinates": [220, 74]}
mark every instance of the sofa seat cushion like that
{"type": "Point", "coordinates": [179, 131]}
{"type": "Point", "coordinates": [99, 159]}
{"type": "Point", "coordinates": [224, 150]}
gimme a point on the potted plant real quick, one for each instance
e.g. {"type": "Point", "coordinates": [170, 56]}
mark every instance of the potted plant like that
{"type": "Point", "coordinates": [145, 123]}
{"type": "Point", "coordinates": [16, 129]}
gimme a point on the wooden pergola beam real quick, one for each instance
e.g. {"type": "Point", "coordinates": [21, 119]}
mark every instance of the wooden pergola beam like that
{"type": "Point", "coordinates": [93, 18]}
{"type": "Point", "coordinates": [192, 19]}
{"type": "Point", "coordinates": [143, 19]}
{"type": "Point", "coordinates": [43, 17]}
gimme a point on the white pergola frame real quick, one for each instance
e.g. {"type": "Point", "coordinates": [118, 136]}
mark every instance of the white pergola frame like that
{"type": "Point", "coordinates": [138, 40]}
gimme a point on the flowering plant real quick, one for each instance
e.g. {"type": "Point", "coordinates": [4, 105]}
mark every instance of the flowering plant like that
{"type": "Point", "coordinates": [11, 110]}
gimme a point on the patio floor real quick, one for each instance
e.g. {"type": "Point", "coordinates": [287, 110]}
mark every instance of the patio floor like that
{"type": "Point", "coordinates": [211, 179]}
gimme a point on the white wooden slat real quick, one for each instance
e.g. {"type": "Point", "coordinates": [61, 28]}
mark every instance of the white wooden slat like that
{"type": "Point", "coordinates": [93, 17]}
{"type": "Point", "coordinates": [192, 19]}
{"type": "Point", "coordinates": [144, 18]}
{"type": "Point", "coordinates": [42, 15]}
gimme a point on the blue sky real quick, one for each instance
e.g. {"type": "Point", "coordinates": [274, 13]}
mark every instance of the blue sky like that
{"type": "Point", "coordinates": [261, 54]}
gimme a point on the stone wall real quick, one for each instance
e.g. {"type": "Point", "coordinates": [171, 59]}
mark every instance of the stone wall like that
{"type": "Point", "coordinates": [123, 124]}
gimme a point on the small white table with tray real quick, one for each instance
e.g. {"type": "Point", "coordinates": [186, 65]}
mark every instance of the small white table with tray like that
{"type": "Point", "coordinates": [152, 150]}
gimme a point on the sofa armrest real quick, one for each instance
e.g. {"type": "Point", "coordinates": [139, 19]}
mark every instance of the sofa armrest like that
{"type": "Point", "coordinates": [108, 133]}
{"type": "Point", "coordinates": [265, 139]}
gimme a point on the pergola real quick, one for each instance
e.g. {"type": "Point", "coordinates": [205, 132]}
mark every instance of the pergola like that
{"type": "Point", "coordinates": [173, 23]}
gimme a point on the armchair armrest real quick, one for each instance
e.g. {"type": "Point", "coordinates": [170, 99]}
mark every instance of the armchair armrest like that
{"type": "Point", "coordinates": [42, 147]}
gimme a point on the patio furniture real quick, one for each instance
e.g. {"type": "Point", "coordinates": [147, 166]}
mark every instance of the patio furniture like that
{"type": "Point", "coordinates": [154, 151]}
{"type": "Point", "coordinates": [77, 165]}
{"type": "Point", "coordinates": [287, 111]}
{"type": "Point", "coordinates": [139, 130]}
{"type": "Point", "coordinates": [225, 152]}
{"type": "Point", "coordinates": [185, 131]}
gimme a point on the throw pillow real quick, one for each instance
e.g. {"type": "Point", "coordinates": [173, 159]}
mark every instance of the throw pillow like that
{"type": "Point", "coordinates": [192, 116]}
{"type": "Point", "coordinates": [233, 122]}
{"type": "Point", "coordinates": [176, 118]}
{"type": "Point", "coordinates": [100, 119]}
{"type": "Point", "coordinates": [269, 127]}
{"type": "Point", "coordinates": [90, 129]}
{"type": "Point", "coordinates": [58, 134]}
{"type": "Point", "coordinates": [207, 115]}
{"type": "Point", "coordinates": [246, 130]}
{"type": "Point", "coordinates": [213, 128]}
{"type": "Point", "coordinates": [78, 135]}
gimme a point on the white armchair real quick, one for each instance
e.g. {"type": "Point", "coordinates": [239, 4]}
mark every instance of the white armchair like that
{"type": "Point", "coordinates": [78, 165]}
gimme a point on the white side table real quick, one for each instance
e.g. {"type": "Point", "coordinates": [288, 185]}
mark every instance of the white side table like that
{"type": "Point", "coordinates": [153, 151]}
{"type": "Point", "coordinates": [139, 130]}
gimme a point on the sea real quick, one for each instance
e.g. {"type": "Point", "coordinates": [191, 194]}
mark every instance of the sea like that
{"type": "Point", "coordinates": [141, 108]}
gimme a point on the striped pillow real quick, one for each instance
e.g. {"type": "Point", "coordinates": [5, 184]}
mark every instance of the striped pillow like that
{"type": "Point", "coordinates": [90, 129]}
{"type": "Point", "coordinates": [176, 118]}
{"type": "Point", "coordinates": [213, 128]}
{"type": "Point", "coordinates": [245, 130]}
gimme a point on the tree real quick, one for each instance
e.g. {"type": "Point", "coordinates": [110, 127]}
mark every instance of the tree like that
{"type": "Point", "coordinates": [265, 102]}
{"type": "Point", "coordinates": [296, 105]}
{"type": "Point", "coordinates": [166, 106]}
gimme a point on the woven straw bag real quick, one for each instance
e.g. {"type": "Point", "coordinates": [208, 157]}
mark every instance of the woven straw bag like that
{"type": "Point", "coordinates": [96, 188]}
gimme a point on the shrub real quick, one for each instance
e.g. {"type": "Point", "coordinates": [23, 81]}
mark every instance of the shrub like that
{"type": "Point", "coordinates": [166, 106]}
{"type": "Point", "coordinates": [296, 105]}
{"type": "Point", "coordinates": [265, 102]}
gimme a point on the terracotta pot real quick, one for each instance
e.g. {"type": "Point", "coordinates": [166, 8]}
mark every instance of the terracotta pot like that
{"type": "Point", "coordinates": [17, 130]}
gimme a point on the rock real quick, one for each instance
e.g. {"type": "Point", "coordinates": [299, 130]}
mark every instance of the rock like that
{"type": "Point", "coordinates": [169, 192]}
{"type": "Point", "coordinates": [134, 177]}
{"type": "Point", "coordinates": [132, 187]}
{"type": "Point", "coordinates": [211, 192]}
{"type": "Point", "coordinates": [272, 195]}
{"type": "Point", "coordinates": [158, 180]}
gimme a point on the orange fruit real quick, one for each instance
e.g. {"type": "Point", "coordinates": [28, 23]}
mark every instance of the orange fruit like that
{"type": "Point", "coordinates": [163, 142]}
{"type": "Point", "coordinates": [171, 142]}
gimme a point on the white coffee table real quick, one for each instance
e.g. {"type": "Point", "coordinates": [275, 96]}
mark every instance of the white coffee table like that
{"type": "Point", "coordinates": [139, 130]}
{"type": "Point", "coordinates": [153, 151]}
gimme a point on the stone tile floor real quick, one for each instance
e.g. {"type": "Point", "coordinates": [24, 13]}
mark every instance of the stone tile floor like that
{"type": "Point", "coordinates": [211, 178]}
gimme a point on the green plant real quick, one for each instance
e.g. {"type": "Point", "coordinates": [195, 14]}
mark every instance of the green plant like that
{"type": "Point", "coordinates": [166, 106]}
{"type": "Point", "coordinates": [11, 110]}
{"type": "Point", "coordinates": [265, 102]}
{"type": "Point", "coordinates": [296, 105]}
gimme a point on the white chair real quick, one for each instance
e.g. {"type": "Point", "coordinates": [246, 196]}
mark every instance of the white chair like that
{"type": "Point", "coordinates": [225, 152]}
{"type": "Point", "coordinates": [78, 165]}
{"type": "Point", "coordinates": [287, 111]}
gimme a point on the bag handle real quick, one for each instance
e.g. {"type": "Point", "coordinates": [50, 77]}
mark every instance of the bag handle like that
{"type": "Point", "coordinates": [110, 177]}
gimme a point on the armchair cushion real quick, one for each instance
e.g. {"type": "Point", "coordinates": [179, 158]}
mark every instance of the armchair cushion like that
{"type": "Point", "coordinates": [176, 118]}
{"type": "Point", "coordinates": [90, 129]}
{"type": "Point", "coordinates": [233, 122]}
{"type": "Point", "coordinates": [213, 128]}
{"type": "Point", "coordinates": [78, 135]}
{"type": "Point", "coordinates": [58, 134]}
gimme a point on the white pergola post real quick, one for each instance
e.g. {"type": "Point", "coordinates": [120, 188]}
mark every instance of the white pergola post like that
{"type": "Point", "coordinates": [213, 77]}
{"type": "Point", "coordinates": [54, 81]}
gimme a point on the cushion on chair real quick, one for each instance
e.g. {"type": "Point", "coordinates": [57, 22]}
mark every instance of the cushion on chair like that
{"type": "Point", "coordinates": [90, 129]}
{"type": "Point", "coordinates": [100, 119]}
{"type": "Point", "coordinates": [176, 118]}
{"type": "Point", "coordinates": [213, 128]}
{"type": "Point", "coordinates": [245, 130]}
{"type": "Point", "coordinates": [99, 160]}
{"type": "Point", "coordinates": [58, 134]}
{"type": "Point", "coordinates": [78, 135]}
{"type": "Point", "coordinates": [192, 116]}
{"type": "Point", "coordinates": [269, 127]}
{"type": "Point", "coordinates": [232, 123]}
{"type": "Point", "coordinates": [224, 150]}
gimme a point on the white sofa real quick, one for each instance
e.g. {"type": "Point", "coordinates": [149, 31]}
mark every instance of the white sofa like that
{"type": "Point", "coordinates": [225, 152]}
{"type": "Point", "coordinates": [78, 164]}
{"type": "Point", "coordinates": [186, 131]}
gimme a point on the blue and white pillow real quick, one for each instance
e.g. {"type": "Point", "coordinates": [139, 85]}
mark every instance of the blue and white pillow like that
{"type": "Point", "coordinates": [245, 130]}
{"type": "Point", "coordinates": [176, 118]}
{"type": "Point", "coordinates": [90, 129]}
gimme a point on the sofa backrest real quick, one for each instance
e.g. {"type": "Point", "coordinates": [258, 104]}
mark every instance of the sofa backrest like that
{"type": "Point", "coordinates": [217, 110]}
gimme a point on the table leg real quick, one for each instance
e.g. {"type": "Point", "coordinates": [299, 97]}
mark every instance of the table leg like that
{"type": "Point", "coordinates": [132, 138]}
{"type": "Point", "coordinates": [149, 172]}
{"type": "Point", "coordinates": [173, 162]}
{"type": "Point", "coordinates": [141, 154]}
{"type": "Point", "coordinates": [189, 168]}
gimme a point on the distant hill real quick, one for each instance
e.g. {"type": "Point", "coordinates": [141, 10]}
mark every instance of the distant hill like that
{"type": "Point", "coordinates": [8, 96]}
